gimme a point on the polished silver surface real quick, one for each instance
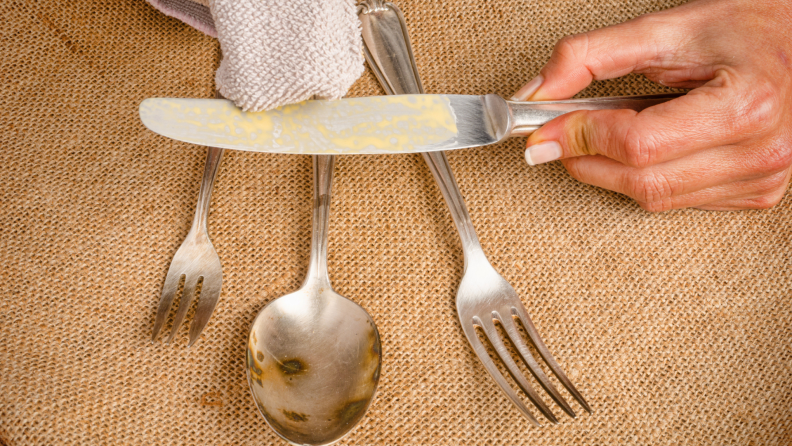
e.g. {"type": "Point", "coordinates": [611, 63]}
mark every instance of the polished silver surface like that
{"type": "Point", "coordinates": [525, 118]}
{"type": "Point", "coordinates": [314, 356]}
{"type": "Point", "coordinates": [350, 126]}
{"type": "Point", "coordinates": [484, 298]}
{"type": "Point", "coordinates": [195, 260]}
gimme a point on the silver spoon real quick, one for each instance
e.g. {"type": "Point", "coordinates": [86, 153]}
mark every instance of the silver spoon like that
{"type": "Point", "coordinates": [314, 356]}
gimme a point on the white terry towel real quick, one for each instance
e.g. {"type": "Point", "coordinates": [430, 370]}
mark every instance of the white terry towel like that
{"type": "Point", "coordinates": [277, 52]}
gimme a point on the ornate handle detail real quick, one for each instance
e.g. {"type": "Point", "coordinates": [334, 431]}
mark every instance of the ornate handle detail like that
{"type": "Point", "coordinates": [369, 6]}
{"type": "Point", "coordinates": [386, 45]}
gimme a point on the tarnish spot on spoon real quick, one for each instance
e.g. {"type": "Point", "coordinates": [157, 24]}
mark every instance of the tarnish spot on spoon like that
{"type": "Point", "coordinates": [376, 353]}
{"type": "Point", "coordinates": [255, 367]}
{"type": "Point", "coordinates": [294, 416]}
{"type": "Point", "coordinates": [351, 410]}
{"type": "Point", "coordinates": [292, 367]}
{"type": "Point", "coordinates": [275, 424]}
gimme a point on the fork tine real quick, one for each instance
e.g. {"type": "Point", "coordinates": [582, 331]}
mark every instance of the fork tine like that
{"type": "Point", "coordinates": [210, 293]}
{"type": "Point", "coordinates": [548, 358]}
{"type": "Point", "coordinates": [485, 359]}
{"type": "Point", "coordinates": [514, 371]}
{"type": "Point", "coordinates": [514, 335]}
{"type": "Point", "coordinates": [184, 305]}
{"type": "Point", "coordinates": [169, 289]}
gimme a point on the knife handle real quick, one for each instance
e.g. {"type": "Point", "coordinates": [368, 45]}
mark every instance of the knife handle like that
{"type": "Point", "coordinates": [386, 45]}
{"type": "Point", "coordinates": [527, 117]}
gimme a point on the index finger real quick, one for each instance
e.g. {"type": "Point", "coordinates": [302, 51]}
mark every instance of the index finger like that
{"type": "Point", "coordinates": [603, 53]}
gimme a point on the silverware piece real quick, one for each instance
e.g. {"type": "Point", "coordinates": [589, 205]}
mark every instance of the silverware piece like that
{"type": "Point", "coordinates": [314, 356]}
{"type": "Point", "coordinates": [196, 261]}
{"type": "Point", "coordinates": [373, 125]}
{"type": "Point", "coordinates": [484, 298]}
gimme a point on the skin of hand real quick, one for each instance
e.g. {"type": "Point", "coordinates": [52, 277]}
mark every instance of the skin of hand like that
{"type": "Point", "coordinates": [726, 145]}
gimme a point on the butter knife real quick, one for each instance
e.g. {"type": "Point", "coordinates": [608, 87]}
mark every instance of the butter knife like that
{"type": "Point", "coordinates": [373, 125]}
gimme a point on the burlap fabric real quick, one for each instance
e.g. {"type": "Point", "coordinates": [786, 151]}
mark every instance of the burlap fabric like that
{"type": "Point", "coordinates": [675, 326]}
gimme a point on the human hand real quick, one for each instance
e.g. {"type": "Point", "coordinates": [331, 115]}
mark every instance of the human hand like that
{"type": "Point", "coordinates": [726, 145]}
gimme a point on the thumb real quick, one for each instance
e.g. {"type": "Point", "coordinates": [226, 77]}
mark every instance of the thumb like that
{"type": "Point", "coordinates": [688, 124]}
{"type": "Point", "coordinates": [605, 53]}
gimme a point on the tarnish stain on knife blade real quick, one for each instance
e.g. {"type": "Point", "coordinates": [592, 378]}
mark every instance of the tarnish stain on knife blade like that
{"type": "Point", "coordinates": [406, 123]}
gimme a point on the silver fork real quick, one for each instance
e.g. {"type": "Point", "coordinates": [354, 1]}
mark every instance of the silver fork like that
{"type": "Point", "coordinates": [484, 297]}
{"type": "Point", "coordinates": [196, 259]}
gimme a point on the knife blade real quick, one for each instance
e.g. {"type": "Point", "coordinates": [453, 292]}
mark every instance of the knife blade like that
{"type": "Point", "coordinates": [371, 125]}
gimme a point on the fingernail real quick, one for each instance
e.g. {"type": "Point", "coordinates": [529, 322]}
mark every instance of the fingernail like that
{"type": "Point", "coordinates": [544, 152]}
{"type": "Point", "coordinates": [529, 89]}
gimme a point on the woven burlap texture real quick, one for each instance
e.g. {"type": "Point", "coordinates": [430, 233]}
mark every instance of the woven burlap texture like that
{"type": "Point", "coordinates": [676, 326]}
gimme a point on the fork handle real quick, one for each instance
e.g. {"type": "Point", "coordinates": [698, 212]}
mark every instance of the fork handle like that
{"type": "Point", "coordinates": [213, 158]}
{"type": "Point", "coordinates": [386, 45]}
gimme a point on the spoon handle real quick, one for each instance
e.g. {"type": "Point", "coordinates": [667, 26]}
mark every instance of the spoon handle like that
{"type": "Point", "coordinates": [323, 166]}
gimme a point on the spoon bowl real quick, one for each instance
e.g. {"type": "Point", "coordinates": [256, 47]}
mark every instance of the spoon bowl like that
{"type": "Point", "coordinates": [314, 356]}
